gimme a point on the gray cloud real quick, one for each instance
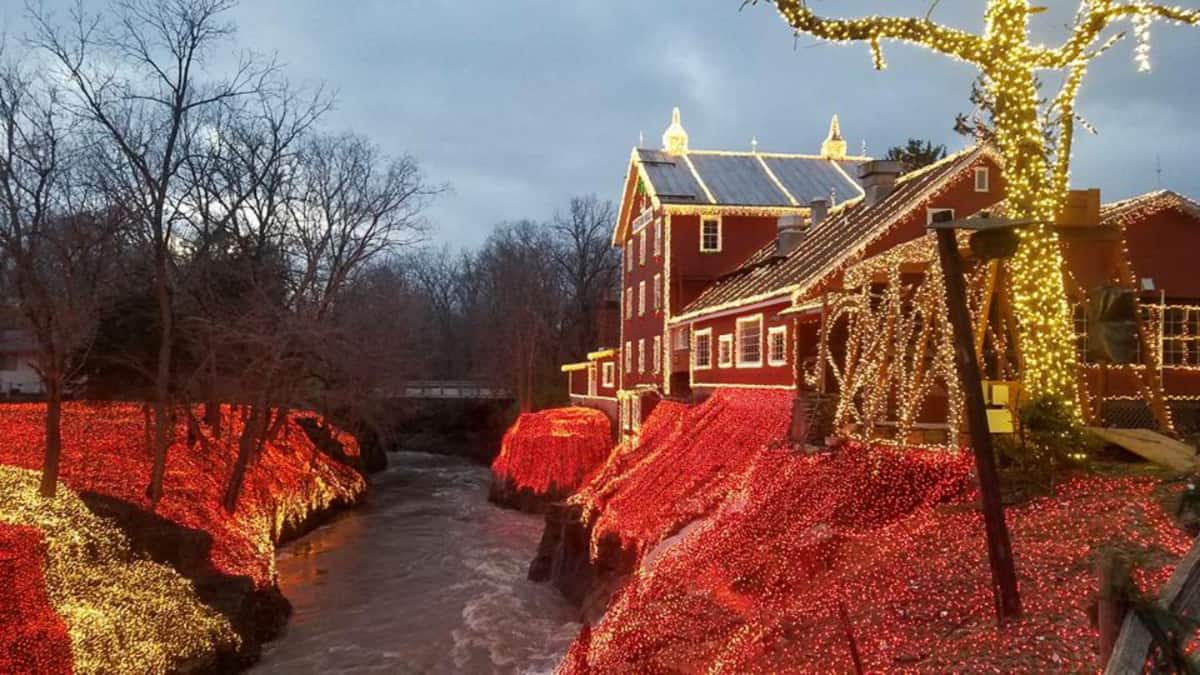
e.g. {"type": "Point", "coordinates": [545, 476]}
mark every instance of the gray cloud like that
{"type": "Point", "coordinates": [520, 104]}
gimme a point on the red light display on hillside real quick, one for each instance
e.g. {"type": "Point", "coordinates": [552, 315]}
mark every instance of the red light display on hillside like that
{"type": "Point", "coordinates": [550, 452]}
{"type": "Point", "coordinates": [686, 461]}
{"type": "Point", "coordinates": [876, 546]}
{"type": "Point", "coordinates": [33, 638]}
{"type": "Point", "coordinates": [105, 451]}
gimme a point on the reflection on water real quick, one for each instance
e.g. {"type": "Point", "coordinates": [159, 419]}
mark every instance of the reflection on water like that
{"type": "Point", "coordinates": [428, 577]}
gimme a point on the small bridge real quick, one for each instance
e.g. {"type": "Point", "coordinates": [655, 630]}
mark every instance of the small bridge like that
{"type": "Point", "coordinates": [450, 389]}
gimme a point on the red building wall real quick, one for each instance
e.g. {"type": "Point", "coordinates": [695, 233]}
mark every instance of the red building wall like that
{"type": "Point", "coordinates": [1164, 247]}
{"type": "Point", "coordinates": [693, 270]}
{"type": "Point", "coordinates": [766, 374]}
{"type": "Point", "coordinates": [641, 327]}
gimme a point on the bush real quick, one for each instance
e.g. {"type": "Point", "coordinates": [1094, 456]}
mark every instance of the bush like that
{"type": "Point", "coordinates": [1047, 441]}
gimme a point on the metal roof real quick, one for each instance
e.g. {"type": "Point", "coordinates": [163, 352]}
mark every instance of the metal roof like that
{"type": "Point", "coordinates": [747, 179]}
{"type": "Point", "coordinates": [837, 239]}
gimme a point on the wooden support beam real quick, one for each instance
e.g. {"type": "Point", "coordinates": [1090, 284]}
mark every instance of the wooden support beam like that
{"type": "Point", "coordinates": [1180, 594]}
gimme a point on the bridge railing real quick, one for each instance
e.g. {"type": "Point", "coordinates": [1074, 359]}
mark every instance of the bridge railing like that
{"type": "Point", "coordinates": [451, 389]}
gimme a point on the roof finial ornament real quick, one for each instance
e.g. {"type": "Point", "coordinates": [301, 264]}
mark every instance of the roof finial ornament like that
{"type": "Point", "coordinates": [754, 144]}
{"type": "Point", "coordinates": [834, 146]}
{"type": "Point", "coordinates": [675, 139]}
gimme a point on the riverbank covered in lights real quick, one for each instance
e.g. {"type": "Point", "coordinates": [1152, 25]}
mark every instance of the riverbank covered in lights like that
{"type": "Point", "coordinates": [685, 461]}
{"type": "Point", "coordinates": [882, 547]}
{"type": "Point", "coordinates": [547, 454]}
{"type": "Point", "coordinates": [89, 575]}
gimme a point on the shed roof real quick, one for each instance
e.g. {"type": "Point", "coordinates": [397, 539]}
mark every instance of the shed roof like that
{"type": "Point", "coordinates": [838, 239]}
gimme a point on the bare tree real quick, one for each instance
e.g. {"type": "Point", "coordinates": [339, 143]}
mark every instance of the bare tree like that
{"type": "Point", "coordinates": [519, 326]}
{"type": "Point", "coordinates": [589, 264]}
{"type": "Point", "coordinates": [137, 79]}
{"type": "Point", "coordinates": [312, 233]}
{"type": "Point", "coordinates": [56, 256]}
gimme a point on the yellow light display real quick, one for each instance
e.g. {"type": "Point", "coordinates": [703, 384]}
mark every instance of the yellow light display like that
{"type": "Point", "coordinates": [1037, 176]}
{"type": "Point", "coordinates": [123, 614]}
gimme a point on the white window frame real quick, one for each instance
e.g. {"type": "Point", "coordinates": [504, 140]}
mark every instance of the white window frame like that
{"type": "Point", "coordinates": [629, 254]}
{"type": "Point", "coordinates": [711, 219]}
{"type": "Point", "coordinates": [658, 235]}
{"type": "Point", "coordinates": [930, 211]}
{"type": "Point", "coordinates": [657, 359]}
{"type": "Point", "coordinates": [628, 356]}
{"type": "Point", "coordinates": [642, 248]}
{"type": "Point", "coordinates": [771, 333]}
{"type": "Point", "coordinates": [641, 355]}
{"type": "Point", "coordinates": [696, 335]}
{"type": "Point", "coordinates": [725, 356]}
{"type": "Point", "coordinates": [657, 291]}
{"type": "Point", "coordinates": [746, 320]}
{"type": "Point", "coordinates": [984, 185]}
{"type": "Point", "coordinates": [629, 302]}
{"type": "Point", "coordinates": [609, 375]}
{"type": "Point", "coordinates": [642, 298]}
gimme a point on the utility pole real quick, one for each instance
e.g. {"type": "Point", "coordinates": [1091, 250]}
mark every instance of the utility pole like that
{"type": "Point", "coordinates": [1004, 576]}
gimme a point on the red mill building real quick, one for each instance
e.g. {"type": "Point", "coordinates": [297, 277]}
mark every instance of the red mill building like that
{"type": "Point", "coordinates": [750, 269]}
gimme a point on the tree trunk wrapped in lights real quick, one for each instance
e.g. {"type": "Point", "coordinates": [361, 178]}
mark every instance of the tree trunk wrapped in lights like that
{"type": "Point", "coordinates": [1036, 175]}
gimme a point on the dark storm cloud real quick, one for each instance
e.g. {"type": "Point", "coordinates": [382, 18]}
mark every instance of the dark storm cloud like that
{"type": "Point", "coordinates": [520, 104]}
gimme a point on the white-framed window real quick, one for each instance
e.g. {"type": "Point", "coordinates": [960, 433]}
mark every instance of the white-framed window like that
{"type": "Point", "coordinates": [641, 355]}
{"type": "Point", "coordinates": [749, 341]}
{"type": "Point", "coordinates": [609, 370]}
{"type": "Point", "coordinates": [629, 255]}
{"type": "Point", "coordinates": [982, 179]}
{"type": "Point", "coordinates": [702, 349]}
{"type": "Point", "coordinates": [641, 298]}
{"type": "Point", "coordinates": [642, 247]}
{"type": "Point", "coordinates": [930, 213]}
{"type": "Point", "coordinates": [657, 360]}
{"type": "Point", "coordinates": [628, 356]}
{"type": "Point", "coordinates": [777, 345]}
{"type": "Point", "coordinates": [725, 350]}
{"type": "Point", "coordinates": [710, 234]}
{"type": "Point", "coordinates": [629, 302]}
{"type": "Point", "coordinates": [657, 292]}
{"type": "Point", "coordinates": [658, 237]}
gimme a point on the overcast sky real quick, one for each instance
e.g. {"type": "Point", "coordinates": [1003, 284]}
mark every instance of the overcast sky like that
{"type": "Point", "coordinates": [520, 104]}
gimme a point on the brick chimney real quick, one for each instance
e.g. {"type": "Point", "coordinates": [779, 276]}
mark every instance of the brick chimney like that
{"type": "Point", "coordinates": [789, 235]}
{"type": "Point", "coordinates": [818, 209]}
{"type": "Point", "coordinates": [878, 177]}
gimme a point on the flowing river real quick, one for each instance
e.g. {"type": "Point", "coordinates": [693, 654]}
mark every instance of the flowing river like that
{"type": "Point", "coordinates": [426, 577]}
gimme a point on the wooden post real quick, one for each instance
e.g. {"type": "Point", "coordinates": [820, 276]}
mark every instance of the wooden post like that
{"type": "Point", "coordinates": [1004, 578]}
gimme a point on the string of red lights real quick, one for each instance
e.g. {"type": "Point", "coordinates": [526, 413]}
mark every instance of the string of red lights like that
{"type": "Point", "coordinates": [550, 452]}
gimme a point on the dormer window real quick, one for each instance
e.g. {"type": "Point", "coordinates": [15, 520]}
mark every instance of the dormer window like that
{"type": "Point", "coordinates": [710, 234]}
{"type": "Point", "coordinates": [982, 179]}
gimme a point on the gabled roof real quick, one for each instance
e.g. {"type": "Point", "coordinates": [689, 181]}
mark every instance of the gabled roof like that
{"type": "Point", "coordinates": [715, 181]}
{"type": "Point", "coordinates": [832, 243]}
{"type": "Point", "coordinates": [746, 178]}
{"type": "Point", "coordinates": [1129, 211]}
